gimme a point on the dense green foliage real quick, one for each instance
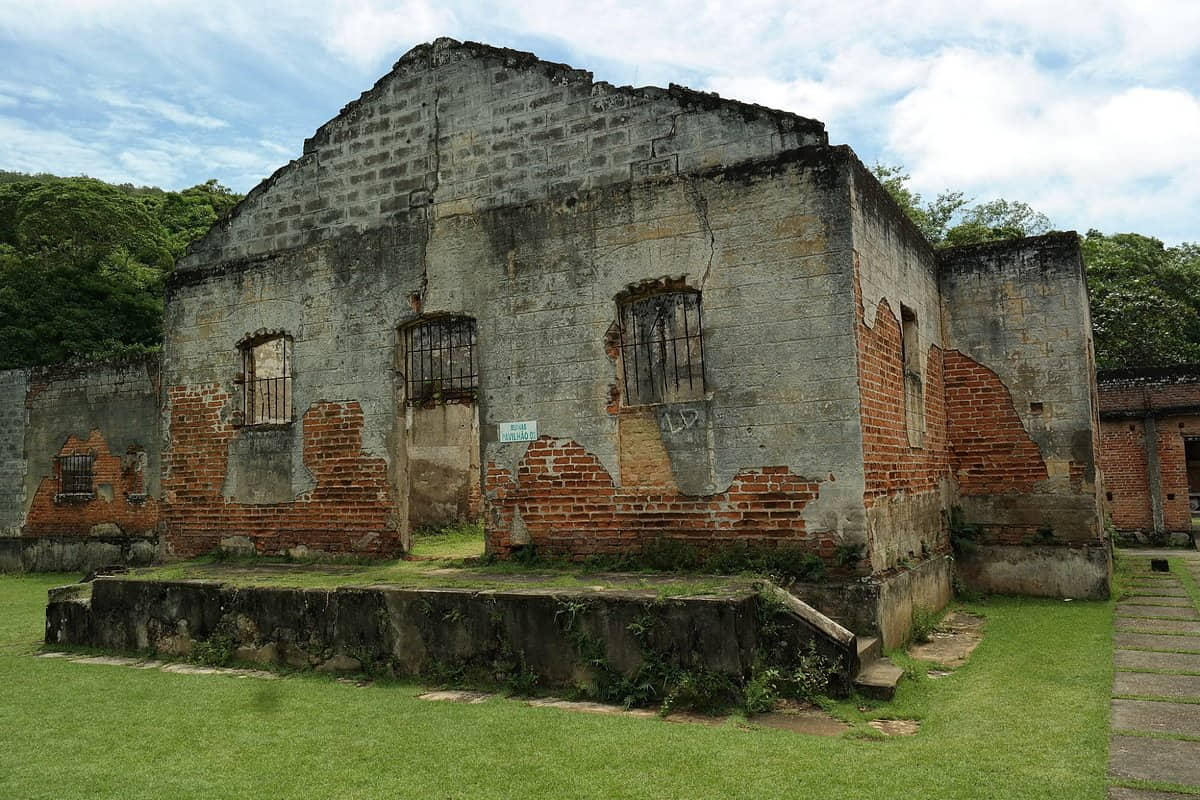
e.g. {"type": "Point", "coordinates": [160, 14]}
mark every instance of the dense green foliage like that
{"type": "Point", "coordinates": [1145, 300]}
{"type": "Point", "coordinates": [1145, 296]}
{"type": "Point", "coordinates": [1026, 718]}
{"type": "Point", "coordinates": [83, 263]}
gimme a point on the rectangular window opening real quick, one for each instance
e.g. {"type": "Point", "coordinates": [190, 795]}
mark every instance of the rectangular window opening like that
{"type": "Point", "coordinates": [440, 362]}
{"type": "Point", "coordinates": [662, 349]}
{"type": "Point", "coordinates": [76, 474]}
{"type": "Point", "coordinates": [267, 382]}
{"type": "Point", "coordinates": [911, 367]}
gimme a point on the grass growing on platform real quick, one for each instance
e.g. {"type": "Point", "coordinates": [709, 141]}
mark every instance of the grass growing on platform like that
{"type": "Point", "coordinates": [1026, 718]}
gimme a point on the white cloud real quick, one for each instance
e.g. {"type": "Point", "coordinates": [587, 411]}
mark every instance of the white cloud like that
{"type": "Point", "coordinates": [1086, 155]}
{"type": "Point", "coordinates": [1084, 108]}
{"type": "Point", "coordinates": [159, 107]}
{"type": "Point", "coordinates": [366, 33]}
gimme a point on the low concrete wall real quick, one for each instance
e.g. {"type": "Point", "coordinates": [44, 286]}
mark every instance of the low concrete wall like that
{"type": "Point", "coordinates": [75, 553]}
{"type": "Point", "coordinates": [882, 605]}
{"type": "Point", "coordinates": [421, 631]}
{"type": "Point", "coordinates": [1038, 570]}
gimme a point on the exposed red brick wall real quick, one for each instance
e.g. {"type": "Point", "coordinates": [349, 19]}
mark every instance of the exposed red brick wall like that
{"type": "Point", "coordinates": [972, 430]}
{"type": "Point", "coordinates": [76, 517]}
{"type": "Point", "coordinates": [1172, 461]}
{"type": "Point", "coordinates": [1133, 396]}
{"type": "Point", "coordinates": [474, 498]}
{"type": "Point", "coordinates": [891, 465]}
{"type": "Point", "coordinates": [993, 453]}
{"type": "Point", "coordinates": [570, 506]}
{"type": "Point", "coordinates": [1123, 463]}
{"type": "Point", "coordinates": [348, 511]}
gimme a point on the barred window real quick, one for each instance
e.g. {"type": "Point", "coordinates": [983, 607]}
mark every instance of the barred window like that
{"type": "Point", "coordinates": [662, 348]}
{"type": "Point", "coordinates": [439, 360]}
{"type": "Point", "coordinates": [267, 381]}
{"type": "Point", "coordinates": [76, 475]}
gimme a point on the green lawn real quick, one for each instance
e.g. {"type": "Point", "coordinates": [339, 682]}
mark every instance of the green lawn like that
{"type": "Point", "coordinates": [1025, 719]}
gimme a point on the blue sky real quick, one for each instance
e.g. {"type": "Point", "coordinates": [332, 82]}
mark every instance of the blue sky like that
{"type": "Point", "coordinates": [1089, 110]}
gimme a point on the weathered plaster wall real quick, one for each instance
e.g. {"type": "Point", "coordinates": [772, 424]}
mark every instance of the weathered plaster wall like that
{"type": "Point", "coordinates": [767, 246]}
{"type": "Point", "coordinates": [482, 182]}
{"type": "Point", "coordinates": [442, 463]}
{"type": "Point", "coordinates": [111, 411]}
{"type": "Point", "coordinates": [14, 384]}
{"type": "Point", "coordinates": [1019, 310]}
{"type": "Point", "coordinates": [907, 488]}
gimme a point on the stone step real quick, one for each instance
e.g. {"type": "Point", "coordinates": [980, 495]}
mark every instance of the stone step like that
{"type": "Point", "coordinates": [869, 650]}
{"type": "Point", "coordinates": [879, 679]}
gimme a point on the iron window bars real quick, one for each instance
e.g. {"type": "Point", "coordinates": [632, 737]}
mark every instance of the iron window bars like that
{"type": "Point", "coordinates": [439, 360]}
{"type": "Point", "coordinates": [76, 474]}
{"type": "Point", "coordinates": [267, 382]}
{"type": "Point", "coordinates": [662, 348]}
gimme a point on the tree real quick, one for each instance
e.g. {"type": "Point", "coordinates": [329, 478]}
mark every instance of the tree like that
{"type": "Point", "coordinates": [992, 221]}
{"type": "Point", "coordinates": [83, 263]}
{"type": "Point", "coordinates": [1145, 297]}
{"type": "Point", "coordinates": [1145, 300]}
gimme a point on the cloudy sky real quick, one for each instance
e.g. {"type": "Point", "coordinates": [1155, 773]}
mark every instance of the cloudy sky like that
{"type": "Point", "coordinates": [1089, 110]}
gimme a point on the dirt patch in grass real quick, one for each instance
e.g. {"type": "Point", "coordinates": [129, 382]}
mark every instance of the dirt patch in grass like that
{"type": "Point", "coordinates": [952, 643]}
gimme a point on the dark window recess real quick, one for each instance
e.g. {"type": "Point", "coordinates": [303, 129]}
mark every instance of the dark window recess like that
{"type": "Point", "coordinates": [267, 382]}
{"type": "Point", "coordinates": [439, 361]}
{"type": "Point", "coordinates": [75, 474]}
{"type": "Point", "coordinates": [1108, 495]}
{"type": "Point", "coordinates": [662, 349]}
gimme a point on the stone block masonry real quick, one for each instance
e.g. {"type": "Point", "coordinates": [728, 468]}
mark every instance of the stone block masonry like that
{"type": "Point", "coordinates": [413, 632]}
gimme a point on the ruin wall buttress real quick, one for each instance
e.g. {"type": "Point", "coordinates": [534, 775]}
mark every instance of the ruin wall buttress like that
{"type": "Point", "coordinates": [1022, 411]}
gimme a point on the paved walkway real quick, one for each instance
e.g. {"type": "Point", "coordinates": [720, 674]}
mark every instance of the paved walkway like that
{"type": "Point", "coordinates": [1155, 740]}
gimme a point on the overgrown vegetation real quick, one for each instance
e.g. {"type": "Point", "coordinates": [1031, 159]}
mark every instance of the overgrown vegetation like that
{"type": "Point", "coordinates": [1145, 296]}
{"type": "Point", "coordinates": [782, 669]}
{"type": "Point", "coordinates": [215, 651]}
{"type": "Point", "coordinates": [924, 622]}
{"type": "Point", "coordinates": [83, 263]}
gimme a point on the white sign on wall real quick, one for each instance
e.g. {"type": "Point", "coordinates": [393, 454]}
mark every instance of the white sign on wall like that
{"type": "Point", "coordinates": [518, 431]}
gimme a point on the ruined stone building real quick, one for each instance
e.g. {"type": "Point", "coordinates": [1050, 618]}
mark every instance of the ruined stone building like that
{"type": "Point", "coordinates": [714, 326]}
{"type": "Point", "coordinates": [1150, 451]}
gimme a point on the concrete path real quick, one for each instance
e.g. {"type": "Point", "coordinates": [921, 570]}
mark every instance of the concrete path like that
{"type": "Point", "coordinates": [1155, 744]}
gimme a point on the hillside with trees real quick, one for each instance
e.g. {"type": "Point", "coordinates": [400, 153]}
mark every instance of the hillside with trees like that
{"type": "Point", "coordinates": [83, 263]}
{"type": "Point", "coordinates": [1145, 296]}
